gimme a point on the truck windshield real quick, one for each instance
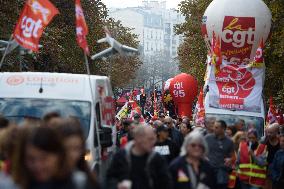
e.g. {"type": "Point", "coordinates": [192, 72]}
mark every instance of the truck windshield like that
{"type": "Point", "coordinates": [17, 109]}
{"type": "Point", "coordinates": [256, 122]}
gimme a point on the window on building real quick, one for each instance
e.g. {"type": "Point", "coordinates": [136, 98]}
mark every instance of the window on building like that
{"type": "Point", "coordinates": [174, 53]}
{"type": "Point", "coordinates": [146, 31]}
{"type": "Point", "coordinates": [168, 28]}
{"type": "Point", "coordinates": [151, 34]}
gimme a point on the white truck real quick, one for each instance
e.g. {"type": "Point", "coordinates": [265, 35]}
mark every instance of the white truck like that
{"type": "Point", "coordinates": [86, 97]}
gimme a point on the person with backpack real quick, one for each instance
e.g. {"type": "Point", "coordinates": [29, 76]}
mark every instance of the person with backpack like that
{"type": "Point", "coordinates": [137, 166]}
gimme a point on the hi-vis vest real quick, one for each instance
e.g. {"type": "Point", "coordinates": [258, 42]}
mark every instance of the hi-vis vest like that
{"type": "Point", "coordinates": [233, 174]}
{"type": "Point", "coordinates": [249, 172]}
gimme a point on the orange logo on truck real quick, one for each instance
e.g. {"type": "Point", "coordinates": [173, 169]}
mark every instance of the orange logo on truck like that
{"type": "Point", "coordinates": [15, 80]}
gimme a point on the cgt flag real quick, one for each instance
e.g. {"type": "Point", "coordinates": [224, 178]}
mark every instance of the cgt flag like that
{"type": "Point", "coordinates": [258, 60]}
{"type": "Point", "coordinates": [81, 28]}
{"type": "Point", "coordinates": [35, 16]}
{"type": "Point", "coordinates": [200, 111]}
{"type": "Point", "coordinates": [271, 114]}
{"type": "Point", "coordinates": [216, 50]}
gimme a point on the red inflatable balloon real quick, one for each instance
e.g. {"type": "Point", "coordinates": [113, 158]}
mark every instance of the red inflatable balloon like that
{"type": "Point", "coordinates": [184, 89]}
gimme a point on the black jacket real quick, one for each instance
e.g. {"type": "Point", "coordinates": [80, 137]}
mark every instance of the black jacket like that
{"type": "Point", "coordinates": [176, 137]}
{"type": "Point", "coordinates": [180, 174]}
{"type": "Point", "coordinates": [77, 180]}
{"type": "Point", "coordinates": [168, 149]}
{"type": "Point", "coordinates": [158, 175]}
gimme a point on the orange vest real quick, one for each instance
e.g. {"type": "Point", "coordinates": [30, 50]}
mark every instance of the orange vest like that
{"type": "Point", "coordinates": [233, 174]}
{"type": "Point", "coordinates": [249, 172]}
{"type": "Point", "coordinates": [258, 176]}
{"type": "Point", "coordinates": [244, 169]}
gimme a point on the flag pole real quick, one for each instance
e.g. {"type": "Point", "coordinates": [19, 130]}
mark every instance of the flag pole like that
{"type": "Point", "coordinates": [5, 53]}
{"type": "Point", "coordinates": [87, 64]}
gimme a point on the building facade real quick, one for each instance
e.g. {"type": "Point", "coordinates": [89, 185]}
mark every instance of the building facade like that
{"type": "Point", "coordinates": [154, 25]}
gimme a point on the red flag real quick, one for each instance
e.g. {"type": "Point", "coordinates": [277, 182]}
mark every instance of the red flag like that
{"type": "Point", "coordinates": [279, 117]}
{"type": "Point", "coordinates": [216, 48]}
{"type": "Point", "coordinates": [258, 60]}
{"type": "Point", "coordinates": [81, 28]}
{"type": "Point", "coordinates": [35, 16]}
{"type": "Point", "coordinates": [155, 100]}
{"type": "Point", "coordinates": [135, 108]}
{"type": "Point", "coordinates": [271, 115]}
{"type": "Point", "coordinates": [200, 113]}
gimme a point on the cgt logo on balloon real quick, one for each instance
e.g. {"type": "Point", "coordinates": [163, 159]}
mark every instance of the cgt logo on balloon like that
{"type": "Point", "coordinates": [237, 39]}
{"type": "Point", "coordinates": [234, 85]}
{"type": "Point", "coordinates": [183, 89]}
{"type": "Point", "coordinates": [178, 90]}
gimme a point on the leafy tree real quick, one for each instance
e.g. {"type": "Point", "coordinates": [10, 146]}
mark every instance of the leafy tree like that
{"type": "Point", "coordinates": [192, 52]}
{"type": "Point", "coordinates": [60, 52]}
{"type": "Point", "coordinates": [274, 54]}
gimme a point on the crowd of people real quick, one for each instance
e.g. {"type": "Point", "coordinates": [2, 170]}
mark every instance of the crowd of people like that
{"type": "Point", "coordinates": [161, 154]}
{"type": "Point", "coordinates": [44, 155]}
{"type": "Point", "coordinates": [214, 156]}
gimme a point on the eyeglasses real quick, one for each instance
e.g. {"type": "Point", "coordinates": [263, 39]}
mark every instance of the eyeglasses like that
{"type": "Point", "coordinates": [168, 123]}
{"type": "Point", "coordinates": [193, 145]}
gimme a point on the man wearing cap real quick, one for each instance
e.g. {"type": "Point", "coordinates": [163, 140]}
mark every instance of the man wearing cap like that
{"type": "Point", "coordinates": [174, 133]}
{"type": "Point", "coordinates": [164, 145]}
{"type": "Point", "coordinates": [138, 166]}
{"type": "Point", "coordinates": [162, 117]}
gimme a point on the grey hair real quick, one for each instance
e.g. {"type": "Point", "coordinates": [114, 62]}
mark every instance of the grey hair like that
{"type": "Point", "coordinates": [274, 126]}
{"type": "Point", "coordinates": [194, 136]}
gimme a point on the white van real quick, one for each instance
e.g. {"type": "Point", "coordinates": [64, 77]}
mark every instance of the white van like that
{"type": "Point", "coordinates": [232, 116]}
{"type": "Point", "coordinates": [88, 98]}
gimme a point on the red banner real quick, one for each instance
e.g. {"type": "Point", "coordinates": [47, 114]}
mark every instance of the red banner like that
{"type": "Point", "coordinates": [35, 16]}
{"type": "Point", "coordinates": [236, 87]}
{"type": "Point", "coordinates": [237, 39]}
{"type": "Point", "coordinates": [81, 28]}
{"type": "Point", "coordinates": [108, 111]}
{"type": "Point", "coordinates": [200, 111]}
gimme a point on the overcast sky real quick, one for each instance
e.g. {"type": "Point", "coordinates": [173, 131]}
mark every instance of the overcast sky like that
{"type": "Point", "coordinates": [135, 3]}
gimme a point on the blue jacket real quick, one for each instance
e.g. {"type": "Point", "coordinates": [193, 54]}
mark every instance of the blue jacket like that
{"type": "Point", "coordinates": [277, 165]}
